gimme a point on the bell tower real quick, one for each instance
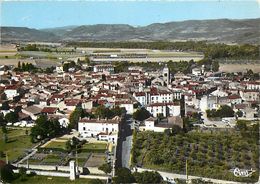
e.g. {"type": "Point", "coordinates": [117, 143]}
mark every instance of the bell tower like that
{"type": "Point", "coordinates": [166, 75]}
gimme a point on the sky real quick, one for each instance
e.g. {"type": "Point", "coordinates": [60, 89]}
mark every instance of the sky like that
{"type": "Point", "coordinates": [49, 14]}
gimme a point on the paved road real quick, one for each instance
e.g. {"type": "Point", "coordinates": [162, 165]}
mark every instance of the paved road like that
{"type": "Point", "coordinates": [181, 176]}
{"type": "Point", "coordinates": [124, 144]}
{"type": "Point", "coordinates": [126, 150]}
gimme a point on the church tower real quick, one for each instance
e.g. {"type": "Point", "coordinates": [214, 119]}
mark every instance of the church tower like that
{"type": "Point", "coordinates": [166, 75]}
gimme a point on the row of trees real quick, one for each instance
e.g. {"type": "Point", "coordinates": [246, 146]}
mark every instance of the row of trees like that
{"type": "Point", "coordinates": [25, 67]}
{"type": "Point", "coordinates": [212, 51]}
{"type": "Point", "coordinates": [182, 66]}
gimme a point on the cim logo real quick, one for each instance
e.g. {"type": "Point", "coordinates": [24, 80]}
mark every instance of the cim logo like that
{"type": "Point", "coordinates": [242, 172]}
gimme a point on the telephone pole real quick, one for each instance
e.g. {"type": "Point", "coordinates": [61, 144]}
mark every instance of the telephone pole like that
{"type": "Point", "coordinates": [187, 171]}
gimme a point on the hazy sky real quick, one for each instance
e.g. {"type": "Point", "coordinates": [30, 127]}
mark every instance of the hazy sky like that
{"type": "Point", "coordinates": [45, 14]}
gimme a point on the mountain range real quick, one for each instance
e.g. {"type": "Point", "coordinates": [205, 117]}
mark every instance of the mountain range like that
{"type": "Point", "coordinates": [219, 30]}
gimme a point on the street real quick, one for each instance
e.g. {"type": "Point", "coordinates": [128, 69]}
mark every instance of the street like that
{"type": "Point", "coordinates": [171, 176]}
{"type": "Point", "coordinates": [124, 144]}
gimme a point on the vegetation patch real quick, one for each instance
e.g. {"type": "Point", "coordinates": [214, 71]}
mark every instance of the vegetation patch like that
{"type": "Point", "coordinates": [54, 180]}
{"type": "Point", "coordinates": [210, 155]}
{"type": "Point", "coordinates": [14, 144]}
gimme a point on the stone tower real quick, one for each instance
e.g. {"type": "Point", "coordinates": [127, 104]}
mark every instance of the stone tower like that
{"type": "Point", "coordinates": [166, 75]}
{"type": "Point", "coordinates": [72, 170]}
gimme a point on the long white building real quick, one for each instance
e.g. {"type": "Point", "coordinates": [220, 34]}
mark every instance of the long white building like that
{"type": "Point", "coordinates": [165, 109]}
{"type": "Point", "coordinates": [102, 129]}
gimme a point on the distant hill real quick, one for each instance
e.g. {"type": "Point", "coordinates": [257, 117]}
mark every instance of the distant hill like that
{"type": "Point", "coordinates": [220, 30]}
{"type": "Point", "coordinates": [26, 34]}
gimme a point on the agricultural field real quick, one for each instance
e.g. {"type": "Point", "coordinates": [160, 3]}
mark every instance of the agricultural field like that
{"type": "Point", "coordinates": [239, 67]}
{"type": "Point", "coordinates": [7, 51]}
{"type": "Point", "coordinates": [18, 142]}
{"type": "Point", "coordinates": [210, 155]}
{"type": "Point", "coordinates": [151, 55]}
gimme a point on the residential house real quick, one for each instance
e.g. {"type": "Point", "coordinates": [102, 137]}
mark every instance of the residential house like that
{"type": "Point", "coordinates": [105, 129]}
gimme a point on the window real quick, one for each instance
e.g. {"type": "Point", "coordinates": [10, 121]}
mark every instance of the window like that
{"type": "Point", "coordinates": [84, 128]}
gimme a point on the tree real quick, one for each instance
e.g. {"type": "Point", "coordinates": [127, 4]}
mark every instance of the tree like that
{"type": "Point", "coordinates": [141, 114]}
{"type": "Point", "coordinates": [241, 125]}
{"type": "Point", "coordinates": [49, 69]}
{"type": "Point", "coordinates": [103, 112]}
{"type": "Point", "coordinates": [11, 117]}
{"type": "Point", "coordinates": [22, 172]}
{"type": "Point", "coordinates": [223, 111]}
{"type": "Point", "coordinates": [106, 168]}
{"type": "Point", "coordinates": [23, 66]}
{"type": "Point", "coordinates": [65, 67]}
{"type": "Point", "coordinates": [74, 117]}
{"type": "Point", "coordinates": [6, 173]}
{"type": "Point", "coordinates": [226, 111]}
{"type": "Point", "coordinates": [176, 130]}
{"type": "Point", "coordinates": [45, 128]}
{"type": "Point", "coordinates": [200, 181]}
{"type": "Point", "coordinates": [72, 144]}
{"type": "Point", "coordinates": [187, 124]}
{"type": "Point", "coordinates": [239, 113]}
{"type": "Point", "coordinates": [148, 177]}
{"type": "Point", "coordinates": [4, 129]}
{"type": "Point", "coordinates": [2, 120]}
{"type": "Point", "coordinates": [19, 65]}
{"type": "Point", "coordinates": [5, 106]}
{"type": "Point", "coordinates": [5, 137]}
{"type": "Point", "coordinates": [123, 175]}
{"type": "Point", "coordinates": [118, 111]}
{"type": "Point", "coordinates": [215, 66]}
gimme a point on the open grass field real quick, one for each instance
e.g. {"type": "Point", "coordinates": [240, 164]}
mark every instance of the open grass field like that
{"type": "Point", "coordinates": [54, 180]}
{"type": "Point", "coordinates": [17, 143]}
{"type": "Point", "coordinates": [239, 67]}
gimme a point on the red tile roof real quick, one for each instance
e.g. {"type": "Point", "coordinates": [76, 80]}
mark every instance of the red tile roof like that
{"type": "Point", "coordinates": [49, 110]}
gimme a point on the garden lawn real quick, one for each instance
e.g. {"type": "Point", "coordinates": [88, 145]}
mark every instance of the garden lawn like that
{"type": "Point", "coordinates": [56, 144]}
{"type": "Point", "coordinates": [52, 159]}
{"type": "Point", "coordinates": [94, 147]}
{"type": "Point", "coordinates": [17, 143]}
{"type": "Point", "coordinates": [54, 180]}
